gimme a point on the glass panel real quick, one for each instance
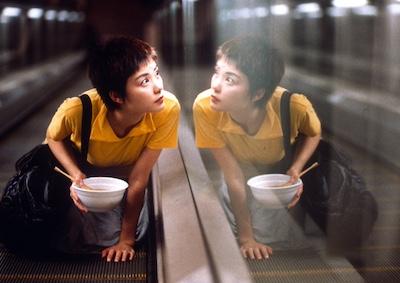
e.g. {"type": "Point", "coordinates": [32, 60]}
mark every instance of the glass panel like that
{"type": "Point", "coordinates": [342, 55]}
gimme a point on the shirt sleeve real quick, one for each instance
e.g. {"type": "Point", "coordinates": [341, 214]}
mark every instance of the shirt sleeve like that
{"type": "Point", "coordinates": [305, 120]}
{"type": "Point", "coordinates": [167, 122]}
{"type": "Point", "coordinates": [205, 124]}
{"type": "Point", "coordinates": [65, 120]}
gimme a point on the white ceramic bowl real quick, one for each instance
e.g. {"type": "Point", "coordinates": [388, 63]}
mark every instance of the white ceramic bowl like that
{"type": "Point", "coordinates": [267, 189]}
{"type": "Point", "coordinates": [107, 193]}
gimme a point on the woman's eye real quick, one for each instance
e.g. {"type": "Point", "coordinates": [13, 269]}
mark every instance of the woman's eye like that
{"type": "Point", "coordinates": [229, 80]}
{"type": "Point", "coordinates": [144, 82]}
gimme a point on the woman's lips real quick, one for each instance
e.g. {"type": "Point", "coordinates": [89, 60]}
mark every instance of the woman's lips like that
{"type": "Point", "coordinates": [214, 99]}
{"type": "Point", "coordinates": [159, 100]}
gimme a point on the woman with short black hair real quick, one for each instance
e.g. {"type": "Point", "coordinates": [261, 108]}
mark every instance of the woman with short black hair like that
{"type": "Point", "coordinates": [133, 119]}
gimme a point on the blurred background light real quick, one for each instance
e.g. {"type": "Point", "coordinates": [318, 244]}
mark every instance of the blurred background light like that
{"type": "Point", "coordinates": [50, 15]}
{"type": "Point", "coordinates": [279, 10]}
{"type": "Point", "coordinates": [62, 16]}
{"type": "Point", "coordinates": [35, 13]}
{"type": "Point", "coordinates": [367, 10]}
{"type": "Point", "coordinates": [11, 12]}
{"type": "Point", "coordinates": [393, 8]}
{"type": "Point", "coordinates": [174, 5]}
{"type": "Point", "coordinates": [336, 12]}
{"type": "Point", "coordinates": [349, 3]}
{"type": "Point", "coordinates": [309, 10]}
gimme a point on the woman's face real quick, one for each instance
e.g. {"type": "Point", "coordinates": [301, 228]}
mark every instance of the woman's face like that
{"type": "Point", "coordinates": [230, 88]}
{"type": "Point", "coordinates": [144, 89]}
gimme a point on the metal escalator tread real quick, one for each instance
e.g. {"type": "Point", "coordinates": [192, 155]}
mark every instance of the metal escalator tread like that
{"type": "Point", "coordinates": [380, 264]}
{"type": "Point", "coordinates": [82, 268]}
{"type": "Point", "coordinates": [304, 265]}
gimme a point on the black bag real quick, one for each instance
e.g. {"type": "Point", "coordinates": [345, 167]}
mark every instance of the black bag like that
{"type": "Point", "coordinates": [334, 194]}
{"type": "Point", "coordinates": [36, 199]}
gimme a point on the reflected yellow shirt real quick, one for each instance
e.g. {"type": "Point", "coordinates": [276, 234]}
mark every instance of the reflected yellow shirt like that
{"type": "Point", "coordinates": [155, 131]}
{"type": "Point", "coordinates": [217, 129]}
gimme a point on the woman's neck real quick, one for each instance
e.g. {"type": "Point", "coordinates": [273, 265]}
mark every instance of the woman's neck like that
{"type": "Point", "coordinates": [122, 123]}
{"type": "Point", "coordinates": [250, 120]}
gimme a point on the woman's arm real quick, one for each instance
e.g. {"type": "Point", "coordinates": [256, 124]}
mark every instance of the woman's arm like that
{"type": "Point", "coordinates": [304, 149]}
{"type": "Point", "coordinates": [138, 180]}
{"type": "Point", "coordinates": [237, 192]}
{"type": "Point", "coordinates": [63, 152]}
{"type": "Point", "coordinates": [64, 155]}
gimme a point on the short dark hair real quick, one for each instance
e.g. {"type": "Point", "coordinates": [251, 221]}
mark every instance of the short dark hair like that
{"type": "Point", "coordinates": [113, 62]}
{"type": "Point", "coordinates": [259, 60]}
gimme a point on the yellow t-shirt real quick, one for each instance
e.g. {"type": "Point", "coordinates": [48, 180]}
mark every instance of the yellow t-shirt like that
{"type": "Point", "coordinates": [155, 131]}
{"type": "Point", "coordinates": [217, 129]}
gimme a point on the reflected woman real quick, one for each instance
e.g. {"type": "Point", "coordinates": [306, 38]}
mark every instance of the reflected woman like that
{"type": "Point", "coordinates": [238, 120]}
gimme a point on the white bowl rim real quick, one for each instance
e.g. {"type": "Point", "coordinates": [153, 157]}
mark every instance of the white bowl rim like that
{"type": "Point", "coordinates": [126, 185]}
{"type": "Point", "coordinates": [252, 179]}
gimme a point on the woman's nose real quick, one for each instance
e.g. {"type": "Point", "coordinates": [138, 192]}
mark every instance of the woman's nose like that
{"type": "Point", "coordinates": [158, 85]}
{"type": "Point", "coordinates": [215, 83]}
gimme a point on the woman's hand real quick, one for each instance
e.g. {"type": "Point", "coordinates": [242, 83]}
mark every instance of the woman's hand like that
{"type": "Point", "coordinates": [119, 252]}
{"type": "Point", "coordinates": [296, 197]}
{"type": "Point", "coordinates": [254, 250]}
{"type": "Point", "coordinates": [78, 180]}
{"type": "Point", "coordinates": [294, 176]}
{"type": "Point", "coordinates": [294, 173]}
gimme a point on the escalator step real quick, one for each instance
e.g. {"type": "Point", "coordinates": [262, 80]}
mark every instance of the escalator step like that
{"type": "Point", "coordinates": [82, 268]}
{"type": "Point", "coordinates": [304, 265]}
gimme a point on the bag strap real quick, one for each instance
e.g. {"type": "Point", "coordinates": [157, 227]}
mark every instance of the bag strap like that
{"type": "Point", "coordinates": [285, 123]}
{"type": "Point", "coordinates": [86, 124]}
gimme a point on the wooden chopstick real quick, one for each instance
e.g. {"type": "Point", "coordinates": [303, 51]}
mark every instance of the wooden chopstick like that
{"type": "Point", "coordinates": [84, 186]}
{"type": "Point", "coordinates": [315, 164]}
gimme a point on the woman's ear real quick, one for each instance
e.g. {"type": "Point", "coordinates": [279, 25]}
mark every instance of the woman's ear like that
{"type": "Point", "coordinates": [259, 94]}
{"type": "Point", "coordinates": [115, 97]}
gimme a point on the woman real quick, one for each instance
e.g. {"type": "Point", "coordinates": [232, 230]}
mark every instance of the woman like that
{"type": "Point", "coordinates": [238, 120]}
{"type": "Point", "coordinates": [133, 119]}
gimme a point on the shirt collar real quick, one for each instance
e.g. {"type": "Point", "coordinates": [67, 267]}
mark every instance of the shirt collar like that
{"type": "Point", "coordinates": [102, 131]}
{"type": "Point", "coordinates": [267, 128]}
